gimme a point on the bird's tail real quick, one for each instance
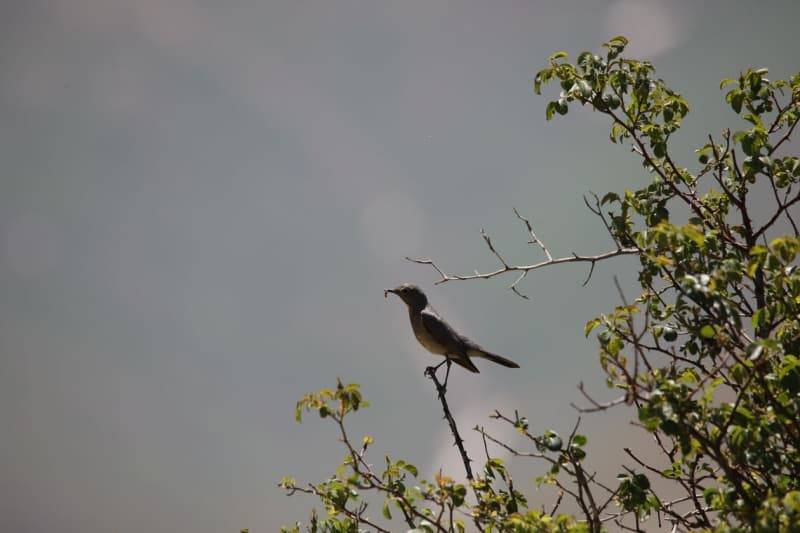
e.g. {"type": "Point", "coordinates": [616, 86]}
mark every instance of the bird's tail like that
{"type": "Point", "coordinates": [493, 357]}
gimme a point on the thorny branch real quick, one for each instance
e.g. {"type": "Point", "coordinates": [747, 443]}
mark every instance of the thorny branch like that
{"type": "Point", "coordinates": [459, 442]}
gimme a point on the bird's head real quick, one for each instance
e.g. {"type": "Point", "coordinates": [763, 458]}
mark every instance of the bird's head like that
{"type": "Point", "coordinates": [412, 295]}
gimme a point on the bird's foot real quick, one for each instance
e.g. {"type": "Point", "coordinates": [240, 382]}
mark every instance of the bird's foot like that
{"type": "Point", "coordinates": [430, 372]}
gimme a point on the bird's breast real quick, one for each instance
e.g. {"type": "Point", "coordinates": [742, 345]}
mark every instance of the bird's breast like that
{"type": "Point", "coordinates": [424, 337]}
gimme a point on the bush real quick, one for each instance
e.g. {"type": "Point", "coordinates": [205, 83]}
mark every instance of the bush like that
{"type": "Point", "coordinates": [706, 355]}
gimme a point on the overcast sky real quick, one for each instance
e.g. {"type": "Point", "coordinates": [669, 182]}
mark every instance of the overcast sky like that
{"type": "Point", "coordinates": [201, 203]}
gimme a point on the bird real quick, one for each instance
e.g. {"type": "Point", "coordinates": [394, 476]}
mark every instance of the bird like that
{"type": "Point", "coordinates": [437, 336]}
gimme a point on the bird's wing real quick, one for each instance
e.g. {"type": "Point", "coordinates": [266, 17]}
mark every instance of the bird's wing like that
{"type": "Point", "coordinates": [442, 332]}
{"type": "Point", "coordinates": [448, 338]}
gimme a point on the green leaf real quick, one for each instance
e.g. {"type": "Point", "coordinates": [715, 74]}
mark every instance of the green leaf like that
{"type": "Point", "coordinates": [615, 46]}
{"type": "Point", "coordinates": [672, 472]}
{"type": "Point", "coordinates": [759, 318]}
{"type": "Point", "coordinates": [411, 469]}
{"type": "Point", "coordinates": [694, 233]}
{"type": "Point", "coordinates": [542, 77]}
{"type": "Point", "coordinates": [579, 440]}
{"type": "Point", "coordinates": [753, 119]}
{"type": "Point", "coordinates": [387, 514]}
{"type": "Point", "coordinates": [496, 462]}
{"type": "Point", "coordinates": [558, 55]}
{"type": "Point", "coordinates": [550, 111]}
{"type": "Point", "coordinates": [584, 58]}
{"type": "Point", "coordinates": [792, 501]}
{"type": "Point", "coordinates": [614, 346]}
{"type": "Point", "coordinates": [736, 101]}
{"type": "Point", "coordinates": [617, 131]}
{"type": "Point", "coordinates": [590, 325]}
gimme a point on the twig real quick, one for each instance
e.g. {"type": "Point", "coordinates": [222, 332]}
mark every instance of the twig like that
{"type": "Point", "coordinates": [534, 238]}
{"type": "Point", "coordinates": [509, 480]}
{"type": "Point", "coordinates": [784, 138]}
{"type": "Point", "coordinates": [558, 502]}
{"type": "Point", "coordinates": [596, 405]}
{"type": "Point", "coordinates": [775, 216]}
{"type": "Point", "coordinates": [350, 514]}
{"type": "Point", "coordinates": [643, 464]}
{"type": "Point", "coordinates": [518, 453]}
{"type": "Point", "coordinates": [780, 205]}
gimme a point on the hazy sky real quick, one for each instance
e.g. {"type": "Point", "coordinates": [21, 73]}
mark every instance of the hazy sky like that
{"type": "Point", "coordinates": [202, 201]}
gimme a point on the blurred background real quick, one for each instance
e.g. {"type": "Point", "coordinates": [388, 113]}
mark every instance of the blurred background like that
{"type": "Point", "coordinates": [201, 203]}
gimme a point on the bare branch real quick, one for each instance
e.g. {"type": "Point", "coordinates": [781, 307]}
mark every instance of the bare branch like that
{"type": "Point", "coordinates": [523, 268]}
{"type": "Point", "coordinates": [491, 247]}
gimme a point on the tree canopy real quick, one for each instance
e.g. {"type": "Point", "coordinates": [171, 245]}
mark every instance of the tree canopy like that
{"type": "Point", "coordinates": [706, 357]}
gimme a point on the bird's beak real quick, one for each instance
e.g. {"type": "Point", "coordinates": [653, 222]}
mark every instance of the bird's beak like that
{"type": "Point", "coordinates": [387, 291]}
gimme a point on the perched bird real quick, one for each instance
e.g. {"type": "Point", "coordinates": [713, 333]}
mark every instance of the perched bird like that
{"type": "Point", "coordinates": [439, 337]}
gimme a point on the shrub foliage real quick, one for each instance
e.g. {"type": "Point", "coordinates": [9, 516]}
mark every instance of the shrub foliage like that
{"type": "Point", "coordinates": [706, 356]}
